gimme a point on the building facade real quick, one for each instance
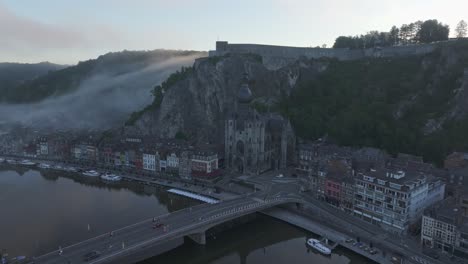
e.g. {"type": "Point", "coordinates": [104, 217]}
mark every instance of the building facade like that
{"type": "Point", "coordinates": [205, 165]}
{"type": "Point", "coordinates": [149, 161]}
{"type": "Point", "coordinates": [253, 142]}
{"type": "Point", "coordinates": [392, 199]}
{"type": "Point", "coordinates": [444, 227]}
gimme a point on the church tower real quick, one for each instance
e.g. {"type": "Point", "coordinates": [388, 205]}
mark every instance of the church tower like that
{"type": "Point", "coordinates": [244, 134]}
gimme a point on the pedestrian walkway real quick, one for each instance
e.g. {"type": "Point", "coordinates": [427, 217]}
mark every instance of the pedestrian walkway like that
{"type": "Point", "coordinates": [194, 196]}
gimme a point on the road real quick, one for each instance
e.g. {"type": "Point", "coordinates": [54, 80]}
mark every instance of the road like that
{"type": "Point", "coordinates": [176, 224]}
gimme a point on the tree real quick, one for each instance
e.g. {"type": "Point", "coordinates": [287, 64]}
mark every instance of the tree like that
{"type": "Point", "coordinates": [404, 33]}
{"type": "Point", "coordinates": [461, 29]}
{"type": "Point", "coordinates": [344, 42]}
{"type": "Point", "coordinates": [432, 30]}
{"type": "Point", "coordinates": [394, 36]}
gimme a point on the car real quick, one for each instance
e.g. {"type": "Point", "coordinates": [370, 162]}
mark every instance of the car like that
{"type": "Point", "coordinates": [158, 225]}
{"type": "Point", "coordinates": [373, 252]}
{"type": "Point", "coordinates": [349, 240]}
{"type": "Point", "coordinates": [92, 255]}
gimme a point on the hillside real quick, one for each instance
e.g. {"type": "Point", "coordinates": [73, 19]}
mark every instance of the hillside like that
{"type": "Point", "coordinates": [414, 104]}
{"type": "Point", "coordinates": [15, 74]}
{"type": "Point", "coordinates": [95, 94]}
{"type": "Point", "coordinates": [69, 79]}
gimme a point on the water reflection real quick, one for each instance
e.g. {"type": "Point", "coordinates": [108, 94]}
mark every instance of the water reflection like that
{"type": "Point", "coordinates": [263, 240]}
{"type": "Point", "coordinates": [41, 211]}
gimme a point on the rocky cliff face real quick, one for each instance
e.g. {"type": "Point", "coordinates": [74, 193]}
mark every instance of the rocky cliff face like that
{"type": "Point", "coordinates": [198, 104]}
{"type": "Point", "coordinates": [415, 104]}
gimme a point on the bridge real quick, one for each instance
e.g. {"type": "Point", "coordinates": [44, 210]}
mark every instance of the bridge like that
{"type": "Point", "coordinates": [127, 244]}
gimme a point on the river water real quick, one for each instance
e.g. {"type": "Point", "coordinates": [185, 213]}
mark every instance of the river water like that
{"type": "Point", "coordinates": [41, 211]}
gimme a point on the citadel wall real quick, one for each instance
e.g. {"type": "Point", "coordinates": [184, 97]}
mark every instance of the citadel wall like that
{"type": "Point", "coordinates": [270, 52]}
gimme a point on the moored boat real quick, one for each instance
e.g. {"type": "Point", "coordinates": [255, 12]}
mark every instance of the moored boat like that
{"type": "Point", "coordinates": [316, 244]}
{"type": "Point", "coordinates": [27, 163]}
{"type": "Point", "coordinates": [91, 173]}
{"type": "Point", "coordinates": [43, 166]}
{"type": "Point", "coordinates": [111, 177]}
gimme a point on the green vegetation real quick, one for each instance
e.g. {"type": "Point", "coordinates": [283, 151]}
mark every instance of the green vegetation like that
{"type": "Point", "coordinates": [260, 107]}
{"type": "Point", "coordinates": [181, 135]}
{"type": "Point", "coordinates": [383, 103]}
{"type": "Point", "coordinates": [158, 93]}
{"type": "Point", "coordinates": [417, 32]}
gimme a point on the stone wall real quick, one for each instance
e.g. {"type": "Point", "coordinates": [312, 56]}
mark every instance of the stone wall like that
{"type": "Point", "coordinates": [274, 53]}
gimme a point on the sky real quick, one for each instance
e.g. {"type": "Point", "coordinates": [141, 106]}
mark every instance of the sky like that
{"type": "Point", "coordinates": [66, 31]}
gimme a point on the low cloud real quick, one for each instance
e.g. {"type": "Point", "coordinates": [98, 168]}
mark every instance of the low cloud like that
{"type": "Point", "coordinates": [103, 100]}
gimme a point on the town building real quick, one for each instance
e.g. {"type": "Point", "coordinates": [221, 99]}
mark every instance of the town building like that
{"type": "Point", "coordinates": [456, 160]}
{"type": "Point", "coordinates": [149, 161]}
{"type": "Point", "coordinates": [444, 226]}
{"type": "Point", "coordinates": [394, 199]}
{"type": "Point", "coordinates": [205, 165]}
{"type": "Point", "coordinates": [42, 147]}
{"type": "Point", "coordinates": [185, 165]}
{"type": "Point", "coordinates": [256, 142]}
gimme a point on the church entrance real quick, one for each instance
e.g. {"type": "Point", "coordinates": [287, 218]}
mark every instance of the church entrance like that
{"type": "Point", "coordinates": [239, 165]}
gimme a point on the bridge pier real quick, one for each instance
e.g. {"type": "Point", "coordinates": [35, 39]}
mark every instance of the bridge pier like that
{"type": "Point", "coordinates": [199, 238]}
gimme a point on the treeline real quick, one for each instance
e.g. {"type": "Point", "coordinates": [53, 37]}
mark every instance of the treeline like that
{"type": "Point", "coordinates": [417, 32]}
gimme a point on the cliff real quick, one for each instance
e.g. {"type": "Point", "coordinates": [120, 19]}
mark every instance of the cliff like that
{"type": "Point", "coordinates": [414, 104]}
{"type": "Point", "coordinates": [197, 104]}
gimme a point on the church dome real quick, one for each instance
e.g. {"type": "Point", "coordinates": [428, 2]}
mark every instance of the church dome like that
{"type": "Point", "coordinates": [244, 95]}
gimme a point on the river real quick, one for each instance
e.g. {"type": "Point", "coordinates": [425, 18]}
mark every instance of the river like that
{"type": "Point", "coordinates": [41, 211]}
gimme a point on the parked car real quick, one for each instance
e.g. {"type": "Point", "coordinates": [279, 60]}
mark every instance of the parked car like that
{"type": "Point", "coordinates": [349, 240]}
{"type": "Point", "coordinates": [92, 255]}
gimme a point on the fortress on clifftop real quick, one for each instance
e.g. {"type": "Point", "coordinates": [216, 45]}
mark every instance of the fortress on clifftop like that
{"type": "Point", "coordinates": [280, 54]}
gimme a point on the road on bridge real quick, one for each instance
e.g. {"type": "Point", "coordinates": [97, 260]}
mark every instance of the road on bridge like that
{"type": "Point", "coordinates": [177, 224]}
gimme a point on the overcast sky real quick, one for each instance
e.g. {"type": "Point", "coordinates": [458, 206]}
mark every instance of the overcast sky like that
{"type": "Point", "coordinates": [66, 31]}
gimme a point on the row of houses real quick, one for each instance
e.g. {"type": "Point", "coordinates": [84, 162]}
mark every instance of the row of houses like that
{"type": "Point", "coordinates": [140, 154]}
{"type": "Point", "coordinates": [391, 192]}
{"type": "Point", "coordinates": [445, 226]}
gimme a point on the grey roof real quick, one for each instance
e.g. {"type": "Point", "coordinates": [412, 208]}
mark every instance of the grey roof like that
{"type": "Point", "coordinates": [244, 95]}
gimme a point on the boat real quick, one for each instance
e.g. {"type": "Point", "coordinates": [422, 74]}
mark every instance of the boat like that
{"type": "Point", "coordinates": [43, 166]}
{"type": "Point", "coordinates": [10, 161]}
{"type": "Point", "coordinates": [316, 244]}
{"type": "Point", "coordinates": [91, 173]}
{"type": "Point", "coordinates": [70, 169]}
{"type": "Point", "coordinates": [111, 177]}
{"type": "Point", "coordinates": [27, 163]}
{"type": "Point", "coordinates": [58, 167]}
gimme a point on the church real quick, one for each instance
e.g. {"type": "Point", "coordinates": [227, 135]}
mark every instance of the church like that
{"type": "Point", "coordinates": [256, 142]}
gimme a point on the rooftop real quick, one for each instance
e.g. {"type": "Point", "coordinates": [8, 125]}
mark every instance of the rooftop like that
{"type": "Point", "coordinates": [449, 211]}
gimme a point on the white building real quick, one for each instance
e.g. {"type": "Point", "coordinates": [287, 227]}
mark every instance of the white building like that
{"type": "Point", "coordinates": [394, 199]}
{"type": "Point", "coordinates": [76, 152]}
{"type": "Point", "coordinates": [445, 227]}
{"type": "Point", "coordinates": [44, 148]}
{"type": "Point", "coordinates": [149, 162]}
{"type": "Point", "coordinates": [172, 161]}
